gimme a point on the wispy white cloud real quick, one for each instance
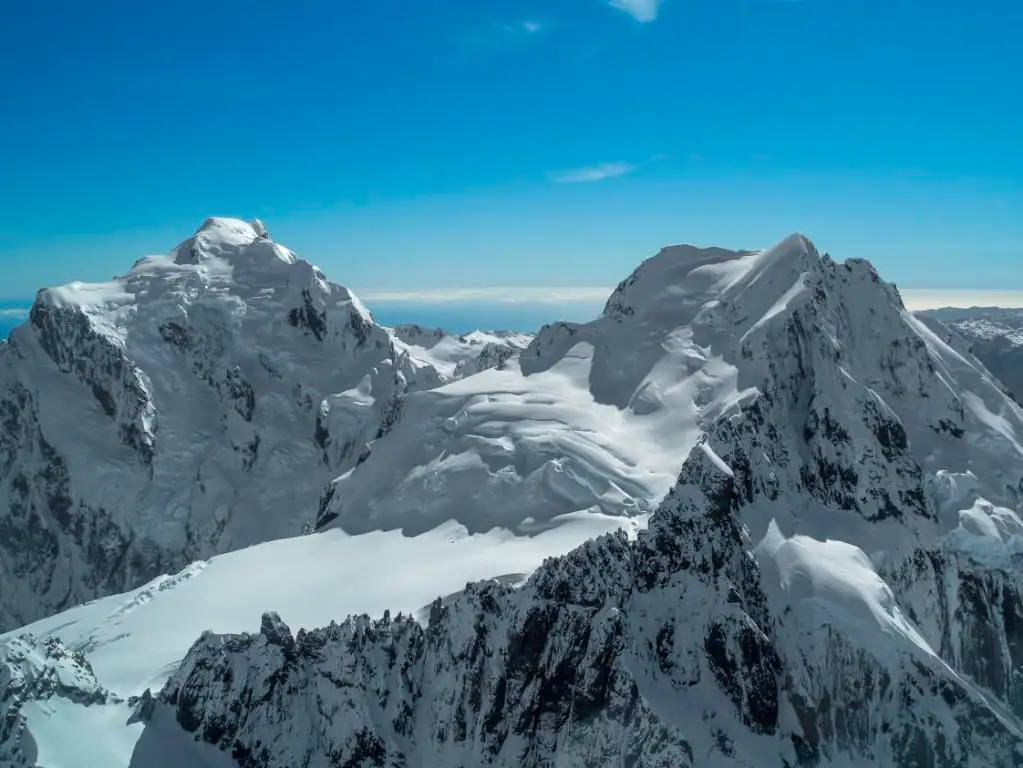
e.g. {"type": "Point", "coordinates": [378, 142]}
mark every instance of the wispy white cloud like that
{"type": "Point", "coordinates": [16, 313]}
{"type": "Point", "coordinates": [594, 173]}
{"type": "Point", "coordinates": [603, 171]}
{"type": "Point", "coordinates": [549, 295]}
{"type": "Point", "coordinates": [643, 11]}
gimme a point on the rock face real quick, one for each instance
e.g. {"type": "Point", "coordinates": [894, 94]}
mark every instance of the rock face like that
{"type": "Point", "coordinates": [39, 671]}
{"type": "Point", "coordinates": [994, 335]}
{"type": "Point", "coordinates": [198, 404]}
{"type": "Point", "coordinates": [834, 579]}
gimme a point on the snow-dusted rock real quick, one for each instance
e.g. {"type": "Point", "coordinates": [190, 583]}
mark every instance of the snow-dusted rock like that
{"type": "Point", "coordinates": [33, 673]}
{"type": "Point", "coordinates": [196, 405]}
{"type": "Point", "coordinates": [833, 580]}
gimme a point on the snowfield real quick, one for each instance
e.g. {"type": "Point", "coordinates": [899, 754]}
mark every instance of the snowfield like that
{"type": "Point", "coordinates": [756, 513]}
{"type": "Point", "coordinates": [134, 641]}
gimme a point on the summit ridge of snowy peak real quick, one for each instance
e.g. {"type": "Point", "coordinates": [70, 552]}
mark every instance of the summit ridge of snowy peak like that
{"type": "Point", "coordinates": [197, 404]}
{"type": "Point", "coordinates": [229, 238]}
{"type": "Point", "coordinates": [833, 578]}
{"type": "Point", "coordinates": [688, 309]}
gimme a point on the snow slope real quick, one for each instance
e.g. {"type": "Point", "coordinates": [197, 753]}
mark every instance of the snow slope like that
{"type": "Point", "coordinates": [818, 587]}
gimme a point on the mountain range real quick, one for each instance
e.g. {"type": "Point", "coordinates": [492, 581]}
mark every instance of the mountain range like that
{"type": "Point", "coordinates": [755, 513]}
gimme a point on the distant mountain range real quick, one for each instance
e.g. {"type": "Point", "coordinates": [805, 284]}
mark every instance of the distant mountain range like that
{"type": "Point", "coordinates": [994, 335]}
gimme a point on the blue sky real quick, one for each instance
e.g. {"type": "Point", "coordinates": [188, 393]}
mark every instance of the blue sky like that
{"type": "Point", "coordinates": [425, 145]}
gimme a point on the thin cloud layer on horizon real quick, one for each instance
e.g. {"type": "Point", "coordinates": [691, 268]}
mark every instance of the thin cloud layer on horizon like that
{"type": "Point", "coordinates": [524, 295]}
{"type": "Point", "coordinates": [916, 299]}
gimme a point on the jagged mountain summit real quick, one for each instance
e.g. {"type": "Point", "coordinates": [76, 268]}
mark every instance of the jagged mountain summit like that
{"type": "Point", "coordinates": [993, 334]}
{"type": "Point", "coordinates": [199, 404]}
{"type": "Point", "coordinates": [831, 580]}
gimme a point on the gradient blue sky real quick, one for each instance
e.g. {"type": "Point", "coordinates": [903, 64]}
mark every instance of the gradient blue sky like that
{"type": "Point", "coordinates": [422, 145]}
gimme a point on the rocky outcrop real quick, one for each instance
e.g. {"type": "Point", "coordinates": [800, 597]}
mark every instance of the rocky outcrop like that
{"type": "Point", "coordinates": [39, 671]}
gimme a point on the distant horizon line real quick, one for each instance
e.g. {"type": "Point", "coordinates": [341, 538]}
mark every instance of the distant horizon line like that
{"type": "Point", "coordinates": [916, 299]}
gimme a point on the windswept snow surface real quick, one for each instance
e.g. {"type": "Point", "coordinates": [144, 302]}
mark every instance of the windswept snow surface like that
{"type": "Point", "coordinates": [135, 639]}
{"type": "Point", "coordinates": [597, 415]}
{"type": "Point", "coordinates": [503, 449]}
{"type": "Point", "coordinates": [836, 583]}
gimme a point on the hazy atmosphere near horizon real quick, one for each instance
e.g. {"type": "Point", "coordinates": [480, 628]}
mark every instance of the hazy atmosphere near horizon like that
{"type": "Point", "coordinates": [417, 149]}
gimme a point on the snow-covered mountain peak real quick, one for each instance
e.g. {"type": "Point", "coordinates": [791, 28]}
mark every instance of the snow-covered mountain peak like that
{"type": "Point", "coordinates": [833, 579]}
{"type": "Point", "coordinates": [687, 307]}
{"type": "Point", "coordinates": [686, 277]}
{"type": "Point", "coordinates": [216, 391]}
{"type": "Point", "coordinates": [231, 239]}
{"type": "Point", "coordinates": [229, 273]}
